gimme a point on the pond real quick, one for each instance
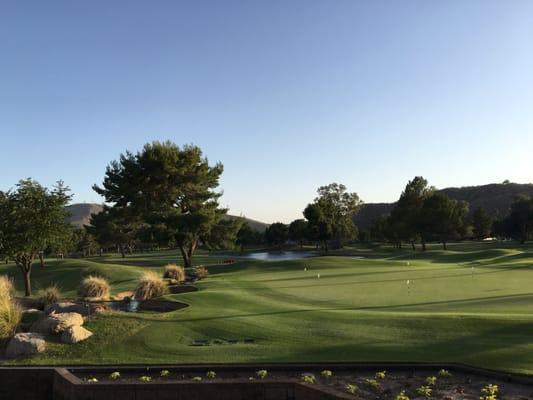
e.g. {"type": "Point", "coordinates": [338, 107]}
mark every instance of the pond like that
{"type": "Point", "coordinates": [279, 255]}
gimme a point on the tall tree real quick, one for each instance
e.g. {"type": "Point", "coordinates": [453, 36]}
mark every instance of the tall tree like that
{"type": "Point", "coordinates": [248, 236]}
{"type": "Point", "coordinates": [277, 234]}
{"type": "Point", "coordinates": [519, 223]}
{"type": "Point", "coordinates": [330, 216]}
{"type": "Point", "coordinates": [482, 223]}
{"type": "Point", "coordinates": [32, 218]}
{"type": "Point", "coordinates": [404, 221]}
{"type": "Point", "coordinates": [172, 190]}
{"type": "Point", "coordinates": [443, 219]}
{"type": "Point", "coordinates": [298, 231]}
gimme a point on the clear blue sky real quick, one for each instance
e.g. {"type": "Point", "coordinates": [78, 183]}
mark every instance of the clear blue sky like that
{"type": "Point", "coordinates": [289, 95]}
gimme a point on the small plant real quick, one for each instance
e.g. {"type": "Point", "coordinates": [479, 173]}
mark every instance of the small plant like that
{"type": "Point", "coordinates": [164, 373]}
{"type": "Point", "coordinates": [150, 285]}
{"type": "Point", "coordinates": [145, 378]}
{"type": "Point", "coordinates": [351, 389]}
{"type": "Point", "coordinates": [92, 380]}
{"type": "Point", "coordinates": [401, 396]}
{"type": "Point", "coordinates": [94, 287]}
{"type": "Point", "coordinates": [444, 373]}
{"type": "Point", "coordinates": [211, 374]}
{"type": "Point", "coordinates": [10, 316]}
{"type": "Point", "coordinates": [174, 272]}
{"type": "Point", "coordinates": [326, 374]}
{"type": "Point", "coordinates": [197, 379]}
{"type": "Point", "coordinates": [431, 380]}
{"type": "Point", "coordinates": [373, 384]}
{"type": "Point", "coordinates": [114, 375]}
{"type": "Point", "coordinates": [49, 295]}
{"type": "Point", "coordinates": [424, 391]}
{"type": "Point", "coordinates": [201, 272]}
{"type": "Point", "coordinates": [7, 289]}
{"type": "Point", "coordinates": [380, 375]}
{"type": "Point", "coordinates": [308, 378]}
{"type": "Point", "coordinates": [489, 392]}
{"type": "Point", "coordinates": [262, 373]}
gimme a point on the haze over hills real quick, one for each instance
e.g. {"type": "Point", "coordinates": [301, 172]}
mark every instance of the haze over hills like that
{"type": "Point", "coordinates": [496, 198]}
{"type": "Point", "coordinates": [80, 215]}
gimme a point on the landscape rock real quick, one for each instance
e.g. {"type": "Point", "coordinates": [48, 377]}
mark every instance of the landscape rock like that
{"type": "Point", "coordinates": [25, 344]}
{"type": "Point", "coordinates": [75, 334]}
{"type": "Point", "coordinates": [67, 307]}
{"type": "Point", "coordinates": [57, 323]}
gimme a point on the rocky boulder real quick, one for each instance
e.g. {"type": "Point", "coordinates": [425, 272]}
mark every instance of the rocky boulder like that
{"type": "Point", "coordinates": [25, 344]}
{"type": "Point", "coordinates": [57, 323]}
{"type": "Point", "coordinates": [75, 334]}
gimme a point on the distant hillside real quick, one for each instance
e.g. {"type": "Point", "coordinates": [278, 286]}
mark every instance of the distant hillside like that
{"type": "Point", "coordinates": [81, 215]}
{"type": "Point", "coordinates": [496, 198]}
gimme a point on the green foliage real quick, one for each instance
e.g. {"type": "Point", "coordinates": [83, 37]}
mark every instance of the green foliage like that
{"type": "Point", "coordinates": [444, 373]}
{"type": "Point", "coordinates": [308, 378]}
{"type": "Point", "coordinates": [330, 216]}
{"type": "Point", "coordinates": [424, 391]}
{"type": "Point", "coordinates": [171, 191]}
{"type": "Point", "coordinates": [164, 373]}
{"type": "Point", "coordinates": [32, 219]}
{"type": "Point", "coordinates": [380, 375]}
{"type": "Point", "coordinates": [114, 375]}
{"type": "Point", "coordinates": [519, 223]}
{"type": "Point", "coordinates": [150, 286]}
{"type": "Point", "coordinates": [94, 287]}
{"type": "Point", "coordinates": [373, 384]}
{"type": "Point", "coordinates": [351, 388]}
{"type": "Point", "coordinates": [298, 231]}
{"type": "Point", "coordinates": [173, 271]}
{"type": "Point", "coordinates": [489, 392]}
{"type": "Point", "coordinates": [262, 373]}
{"type": "Point", "coordinates": [211, 374]}
{"type": "Point", "coordinates": [197, 379]}
{"type": "Point", "coordinates": [145, 378]}
{"type": "Point", "coordinates": [247, 236]}
{"type": "Point", "coordinates": [92, 380]}
{"type": "Point", "coordinates": [276, 234]}
{"type": "Point", "coordinates": [49, 295]}
{"type": "Point", "coordinates": [326, 374]}
{"type": "Point", "coordinates": [431, 380]}
{"type": "Point", "coordinates": [401, 396]}
{"type": "Point", "coordinates": [10, 315]}
{"type": "Point", "coordinates": [481, 223]}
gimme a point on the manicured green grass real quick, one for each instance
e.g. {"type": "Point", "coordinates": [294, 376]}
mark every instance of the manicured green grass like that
{"type": "Point", "coordinates": [361, 309]}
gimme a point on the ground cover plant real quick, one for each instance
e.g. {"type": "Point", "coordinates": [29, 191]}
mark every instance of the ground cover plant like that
{"type": "Point", "coordinates": [472, 304]}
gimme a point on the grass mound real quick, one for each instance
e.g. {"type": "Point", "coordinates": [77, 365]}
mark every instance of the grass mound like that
{"type": "Point", "coordinates": [94, 287]}
{"type": "Point", "coordinates": [49, 295]}
{"type": "Point", "coordinates": [150, 285]}
{"type": "Point", "coordinates": [175, 272]}
{"type": "Point", "coordinates": [10, 312]}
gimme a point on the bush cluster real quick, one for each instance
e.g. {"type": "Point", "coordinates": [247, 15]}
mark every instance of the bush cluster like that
{"type": "Point", "coordinates": [174, 272]}
{"type": "Point", "coordinates": [150, 286]}
{"type": "Point", "coordinates": [49, 295]}
{"type": "Point", "coordinates": [94, 287]}
{"type": "Point", "coordinates": [10, 312]}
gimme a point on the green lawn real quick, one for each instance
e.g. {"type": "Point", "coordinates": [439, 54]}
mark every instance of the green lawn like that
{"type": "Point", "coordinates": [359, 309]}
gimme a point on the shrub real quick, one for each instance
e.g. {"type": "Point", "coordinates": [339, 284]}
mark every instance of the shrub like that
{"type": "Point", "coordinates": [352, 389]}
{"type": "Point", "coordinates": [114, 375]}
{"type": "Point", "coordinates": [10, 316]}
{"type": "Point", "coordinates": [326, 374]}
{"type": "Point", "coordinates": [201, 272]}
{"type": "Point", "coordinates": [150, 285]}
{"type": "Point", "coordinates": [49, 295]}
{"type": "Point", "coordinates": [443, 373]}
{"type": "Point", "coordinates": [373, 384]}
{"type": "Point", "coordinates": [197, 379]}
{"type": "Point", "coordinates": [261, 374]}
{"type": "Point", "coordinates": [381, 374]}
{"type": "Point", "coordinates": [175, 273]}
{"type": "Point", "coordinates": [92, 380]}
{"type": "Point", "coordinates": [10, 312]}
{"type": "Point", "coordinates": [489, 392]}
{"type": "Point", "coordinates": [424, 391]}
{"type": "Point", "coordinates": [145, 378]}
{"type": "Point", "coordinates": [211, 374]}
{"type": "Point", "coordinates": [308, 378]}
{"type": "Point", "coordinates": [7, 289]}
{"type": "Point", "coordinates": [431, 380]}
{"type": "Point", "coordinates": [402, 396]}
{"type": "Point", "coordinates": [164, 373]}
{"type": "Point", "coordinates": [94, 287]}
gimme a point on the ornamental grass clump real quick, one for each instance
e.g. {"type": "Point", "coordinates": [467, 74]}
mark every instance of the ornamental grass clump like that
{"type": "Point", "coordinates": [424, 391]}
{"type": "Point", "coordinates": [201, 272]}
{"type": "Point", "coordinates": [150, 286]}
{"type": "Point", "coordinates": [308, 378]}
{"type": "Point", "coordinates": [145, 378]}
{"type": "Point", "coordinates": [351, 389]}
{"type": "Point", "coordinates": [373, 384]}
{"type": "Point", "coordinates": [175, 273]}
{"type": "Point", "coordinates": [211, 375]}
{"type": "Point", "coordinates": [164, 373]}
{"type": "Point", "coordinates": [326, 374]}
{"type": "Point", "coordinates": [431, 380]}
{"type": "Point", "coordinates": [262, 373]}
{"type": "Point", "coordinates": [381, 375]}
{"type": "Point", "coordinates": [489, 392]}
{"type": "Point", "coordinates": [10, 312]}
{"type": "Point", "coordinates": [49, 295]}
{"type": "Point", "coordinates": [444, 373]}
{"type": "Point", "coordinates": [94, 287]}
{"type": "Point", "coordinates": [114, 375]}
{"type": "Point", "coordinates": [402, 396]}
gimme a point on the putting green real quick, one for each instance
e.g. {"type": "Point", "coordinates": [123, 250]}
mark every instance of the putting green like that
{"type": "Point", "coordinates": [471, 304]}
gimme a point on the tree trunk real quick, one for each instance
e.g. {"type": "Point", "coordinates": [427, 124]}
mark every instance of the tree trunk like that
{"type": "Point", "coordinates": [423, 245]}
{"type": "Point", "coordinates": [122, 252]}
{"type": "Point", "coordinates": [444, 246]}
{"type": "Point", "coordinates": [326, 246]}
{"type": "Point", "coordinates": [41, 259]}
{"type": "Point", "coordinates": [27, 282]}
{"type": "Point", "coordinates": [413, 245]}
